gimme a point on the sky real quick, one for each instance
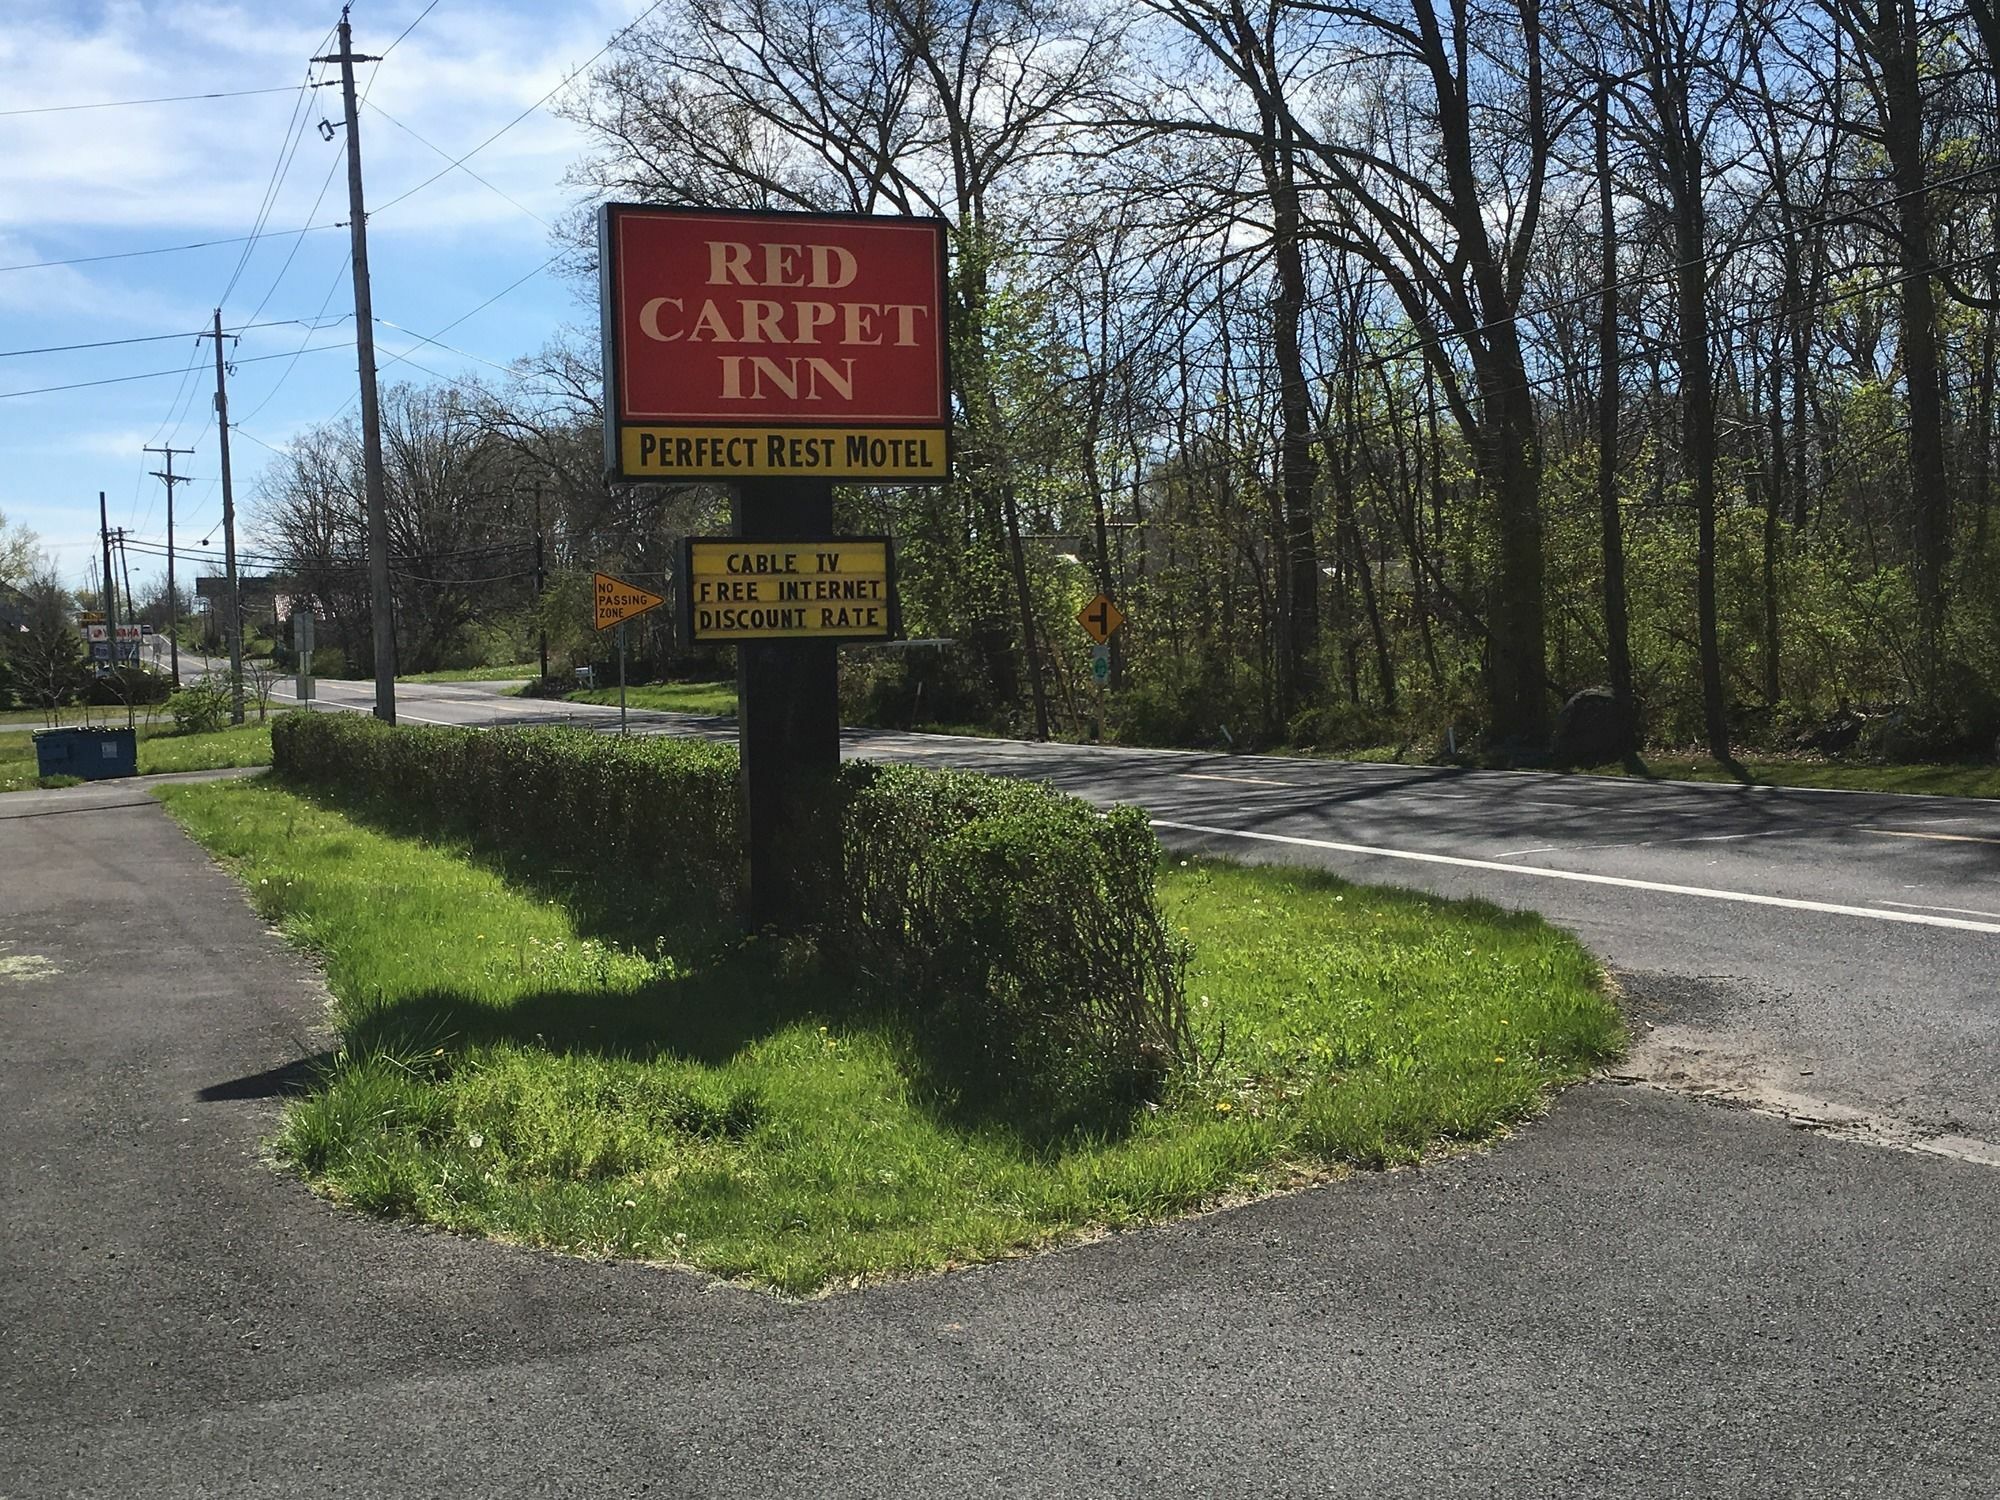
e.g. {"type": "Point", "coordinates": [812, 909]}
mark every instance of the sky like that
{"type": "Point", "coordinates": [100, 182]}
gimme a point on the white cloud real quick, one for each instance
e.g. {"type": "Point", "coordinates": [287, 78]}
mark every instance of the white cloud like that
{"type": "Point", "coordinates": [463, 74]}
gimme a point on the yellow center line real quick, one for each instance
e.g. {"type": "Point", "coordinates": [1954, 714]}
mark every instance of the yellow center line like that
{"type": "Point", "coordinates": [1954, 838]}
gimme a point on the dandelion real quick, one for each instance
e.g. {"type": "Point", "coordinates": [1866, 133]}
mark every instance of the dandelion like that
{"type": "Point", "coordinates": [1499, 1060]}
{"type": "Point", "coordinates": [1223, 1106]}
{"type": "Point", "coordinates": [475, 1140]}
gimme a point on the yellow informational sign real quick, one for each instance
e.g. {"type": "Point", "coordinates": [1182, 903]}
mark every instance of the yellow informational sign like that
{"type": "Point", "coordinates": [1100, 619]}
{"type": "Point", "coordinates": [619, 601]}
{"type": "Point", "coordinates": [790, 452]}
{"type": "Point", "coordinates": [842, 589]}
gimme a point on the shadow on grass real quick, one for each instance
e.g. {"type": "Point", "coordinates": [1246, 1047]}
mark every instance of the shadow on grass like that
{"type": "Point", "coordinates": [625, 907]}
{"type": "Point", "coordinates": [708, 1017]}
{"type": "Point", "coordinates": [730, 993]}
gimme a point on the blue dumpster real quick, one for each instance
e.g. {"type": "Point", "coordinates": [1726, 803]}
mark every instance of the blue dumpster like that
{"type": "Point", "coordinates": [92, 754]}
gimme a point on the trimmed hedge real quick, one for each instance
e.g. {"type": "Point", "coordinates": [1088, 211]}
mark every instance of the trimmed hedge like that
{"type": "Point", "coordinates": [663, 809]}
{"type": "Point", "coordinates": [1019, 924]}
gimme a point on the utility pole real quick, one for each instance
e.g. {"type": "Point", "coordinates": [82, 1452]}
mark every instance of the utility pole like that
{"type": "Point", "coordinates": [110, 584]}
{"type": "Point", "coordinates": [125, 572]}
{"type": "Point", "coordinates": [541, 582]}
{"type": "Point", "coordinates": [235, 604]}
{"type": "Point", "coordinates": [371, 421]}
{"type": "Point", "coordinates": [173, 592]}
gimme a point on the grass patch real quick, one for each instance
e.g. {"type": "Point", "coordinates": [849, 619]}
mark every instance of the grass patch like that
{"type": "Point", "coordinates": [161, 749]}
{"type": "Point", "coordinates": [666, 697]}
{"type": "Point", "coordinates": [699, 1098]}
{"type": "Point", "coordinates": [239, 745]}
{"type": "Point", "coordinates": [1946, 780]}
{"type": "Point", "coordinates": [528, 669]}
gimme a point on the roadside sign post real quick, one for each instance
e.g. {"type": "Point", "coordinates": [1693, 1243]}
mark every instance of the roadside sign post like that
{"type": "Point", "coordinates": [1100, 620]}
{"type": "Point", "coordinates": [779, 353]}
{"type": "Point", "coordinates": [617, 602]}
{"type": "Point", "coordinates": [302, 652]}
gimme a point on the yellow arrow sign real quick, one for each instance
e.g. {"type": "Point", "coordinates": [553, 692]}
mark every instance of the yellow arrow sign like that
{"type": "Point", "coordinates": [1100, 619]}
{"type": "Point", "coordinates": [619, 601]}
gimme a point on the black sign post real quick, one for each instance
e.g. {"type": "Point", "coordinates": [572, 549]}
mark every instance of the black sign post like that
{"type": "Point", "coordinates": [788, 725]}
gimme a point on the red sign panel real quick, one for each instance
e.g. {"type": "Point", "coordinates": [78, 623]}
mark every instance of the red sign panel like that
{"type": "Point", "coordinates": [741, 344]}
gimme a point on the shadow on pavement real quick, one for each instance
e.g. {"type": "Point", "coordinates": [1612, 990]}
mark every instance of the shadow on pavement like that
{"type": "Point", "coordinates": [287, 1081]}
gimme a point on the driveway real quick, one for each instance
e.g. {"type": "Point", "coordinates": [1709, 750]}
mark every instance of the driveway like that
{"type": "Point", "coordinates": [1639, 1296]}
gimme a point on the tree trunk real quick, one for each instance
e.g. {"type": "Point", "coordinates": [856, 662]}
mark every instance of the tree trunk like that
{"type": "Point", "coordinates": [1896, 43]}
{"type": "Point", "coordinates": [1298, 676]}
{"type": "Point", "coordinates": [1698, 448]}
{"type": "Point", "coordinates": [1617, 625]}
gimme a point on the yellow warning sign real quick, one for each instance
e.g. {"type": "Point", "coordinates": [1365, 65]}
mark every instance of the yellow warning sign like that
{"type": "Point", "coordinates": [1100, 618]}
{"type": "Point", "coordinates": [619, 601]}
{"type": "Point", "coordinates": [842, 589]}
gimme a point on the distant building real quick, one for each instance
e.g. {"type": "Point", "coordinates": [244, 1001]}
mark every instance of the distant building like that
{"type": "Point", "coordinates": [261, 596]}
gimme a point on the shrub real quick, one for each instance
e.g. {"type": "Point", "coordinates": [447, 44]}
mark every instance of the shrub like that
{"type": "Point", "coordinates": [128, 685]}
{"type": "Point", "coordinates": [1019, 925]}
{"type": "Point", "coordinates": [200, 707]}
{"type": "Point", "coordinates": [1024, 926]}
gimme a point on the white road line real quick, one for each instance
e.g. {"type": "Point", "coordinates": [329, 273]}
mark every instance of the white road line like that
{"type": "Point", "coordinates": [1543, 872]}
{"type": "Point", "coordinates": [1964, 911]}
{"type": "Point", "coordinates": [1700, 838]}
{"type": "Point", "coordinates": [1954, 838]}
{"type": "Point", "coordinates": [1245, 780]}
{"type": "Point", "coordinates": [1538, 849]}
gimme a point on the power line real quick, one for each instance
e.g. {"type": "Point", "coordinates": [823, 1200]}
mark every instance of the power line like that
{"type": "Point", "coordinates": [404, 359]}
{"type": "Point", "coordinates": [174, 405]}
{"type": "Point", "coordinates": [56, 109]}
{"type": "Point", "coordinates": [154, 338]}
{"type": "Point", "coordinates": [332, 287]}
{"type": "Point", "coordinates": [79, 385]}
{"type": "Point", "coordinates": [288, 148]}
{"type": "Point", "coordinates": [564, 83]}
{"type": "Point", "coordinates": [292, 254]}
{"type": "Point", "coordinates": [240, 239]}
{"type": "Point", "coordinates": [460, 165]}
{"type": "Point", "coordinates": [448, 348]}
{"type": "Point", "coordinates": [405, 32]}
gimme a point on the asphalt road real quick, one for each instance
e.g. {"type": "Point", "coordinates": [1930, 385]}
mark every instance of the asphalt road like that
{"type": "Point", "coordinates": [1642, 1296]}
{"type": "Point", "coordinates": [1831, 955]}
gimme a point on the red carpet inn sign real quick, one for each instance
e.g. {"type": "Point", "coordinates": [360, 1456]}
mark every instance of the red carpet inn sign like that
{"type": "Point", "coordinates": [742, 345]}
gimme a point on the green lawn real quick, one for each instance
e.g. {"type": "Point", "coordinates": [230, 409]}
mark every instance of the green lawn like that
{"type": "Point", "coordinates": [160, 750]}
{"type": "Point", "coordinates": [528, 669]}
{"type": "Point", "coordinates": [511, 1066]}
{"type": "Point", "coordinates": [666, 697]}
{"type": "Point", "coordinates": [1963, 780]}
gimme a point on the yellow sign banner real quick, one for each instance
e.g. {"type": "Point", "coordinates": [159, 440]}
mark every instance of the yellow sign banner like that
{"type": "Point", "coordinates": [741, 590]}
{"type": "Point", "coordinates": [790, 452]}
{"type": "Point", "coordinates": [619, 601]}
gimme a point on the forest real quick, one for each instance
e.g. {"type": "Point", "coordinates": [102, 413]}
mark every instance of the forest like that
{"type": "Point", "coordinates": [1406, 371]}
